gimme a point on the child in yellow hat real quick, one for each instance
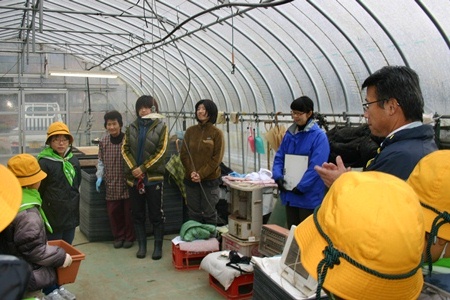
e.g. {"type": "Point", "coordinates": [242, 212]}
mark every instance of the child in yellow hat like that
{"type": "Point", "coordinates": [60, 189]}
{"type": "Point", "coordinates": [14, 273]}
{"type": "Point", "coordinates": [365, 241]}
{"type": "Point", "coordinates": [26, 236]}
{"type": "Point", "coordinates": [430, 180]}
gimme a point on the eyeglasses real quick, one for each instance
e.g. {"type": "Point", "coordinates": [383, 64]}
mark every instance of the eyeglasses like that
{"type": "Point", "coordinates": [59, 141]}
{"type": "Point", "coordinates": [366, 105]}
{"type": "Point", "coordinates": [297, 113]}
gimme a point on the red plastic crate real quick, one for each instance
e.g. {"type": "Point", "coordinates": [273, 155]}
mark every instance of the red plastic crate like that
{"type": "Point", "coordinates": [241, 288]}
{"type": "Point", "coordinates": [187, 260]}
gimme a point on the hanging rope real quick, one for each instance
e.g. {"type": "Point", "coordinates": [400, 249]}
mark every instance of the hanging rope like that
{"type": "Point", "coordinates": [441, 219]}
{"type": "Point", "coordinates": [233, 66]}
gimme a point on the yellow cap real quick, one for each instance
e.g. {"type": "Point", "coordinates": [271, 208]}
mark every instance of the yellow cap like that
{"type": "Point", "coordinates": [26, 168]}
{"type": "Point", "coordinates": [372, 219]}
{"type": "Point", "coordinates": [57, 128]}
{"type": "Point", "coordinates": [430, 179]}
{"type": "Point", "coordinates": [10, 196]}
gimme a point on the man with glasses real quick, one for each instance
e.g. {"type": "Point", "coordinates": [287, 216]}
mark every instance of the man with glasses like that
{"type": "Point", "coordinates": [394, 110]}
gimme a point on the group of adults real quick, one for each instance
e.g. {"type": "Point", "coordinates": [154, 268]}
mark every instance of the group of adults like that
{"type": "Point", "coordinates": [132, 165]}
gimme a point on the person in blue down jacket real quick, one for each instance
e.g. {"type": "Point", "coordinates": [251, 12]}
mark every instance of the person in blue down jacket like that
{"type": "Point", "coordinates": [303, 137]}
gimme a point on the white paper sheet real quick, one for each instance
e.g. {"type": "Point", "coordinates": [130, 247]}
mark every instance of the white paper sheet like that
{"type": "Point", "coordinates": [294, 168]}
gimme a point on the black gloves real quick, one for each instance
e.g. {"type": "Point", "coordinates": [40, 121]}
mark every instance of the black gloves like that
{"type": "Point", "coordinates": [280, 182]}
{"type": "Point", "coordinates": [297, 191]}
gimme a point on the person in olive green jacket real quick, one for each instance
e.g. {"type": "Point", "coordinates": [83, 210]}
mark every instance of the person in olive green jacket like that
{"type": "Point", "coordinates": [144, 151]}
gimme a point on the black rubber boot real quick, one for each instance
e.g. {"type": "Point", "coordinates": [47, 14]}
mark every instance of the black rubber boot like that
{"type": "Point", "coordinates": [142, 241]}
{"type": "Point", "coordinates": [142, 251]}
{"type": "Point", "coordinates": [158, 232]}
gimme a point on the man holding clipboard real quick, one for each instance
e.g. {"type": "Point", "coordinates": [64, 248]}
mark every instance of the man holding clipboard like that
{"type": "Point", "coordinates": [303, 146]}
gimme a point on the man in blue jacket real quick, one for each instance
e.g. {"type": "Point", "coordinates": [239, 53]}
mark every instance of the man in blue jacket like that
{"type": "Point", "coordinates": [393, 109]}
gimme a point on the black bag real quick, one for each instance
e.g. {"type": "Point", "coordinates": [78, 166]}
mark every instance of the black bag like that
{"type": "Point", "coordinates": [236, 259]}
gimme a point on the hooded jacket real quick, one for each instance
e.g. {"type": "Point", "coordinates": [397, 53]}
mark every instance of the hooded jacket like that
{"type": "Point", "coordinates": [311, 142]}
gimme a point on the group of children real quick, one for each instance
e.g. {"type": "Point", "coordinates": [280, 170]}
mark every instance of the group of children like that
{"type": "Point", "coordinates": [49, 210]}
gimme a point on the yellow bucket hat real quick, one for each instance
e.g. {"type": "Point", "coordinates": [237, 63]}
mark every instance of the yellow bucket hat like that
{"type": "Point", "coordinates": [57, 128]}
{"type": "Point", "coordinates": [10, 197]}
{"type": "Point", "coordinates": [366, 239]}
{"type": "Point", "coordinates": [430, 179]}
{"type": "Point", "coordinates": [26, 168]}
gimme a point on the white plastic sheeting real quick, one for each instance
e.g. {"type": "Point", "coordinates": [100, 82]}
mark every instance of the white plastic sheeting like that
{"type": "Point", "coordinates": [181, 51]}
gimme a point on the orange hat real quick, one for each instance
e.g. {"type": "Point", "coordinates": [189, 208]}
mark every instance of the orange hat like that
{"type": "Point", "coordinates": [10, 197]}
{"type": "Point", "coordinates": [58, 128]}
{"type": "Point", "coordinates": [367, 238]}
{"type": "Point", "coordinates": [26, 168]}
{"type": "Point", "coordinates": [430, 180]}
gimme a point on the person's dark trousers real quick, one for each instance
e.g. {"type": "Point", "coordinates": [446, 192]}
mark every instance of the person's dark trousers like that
{"type": "Point", "coordinates": [138, 208]}
{"type": "Point", "coordinates": [152, 198]}
{"type": "Point", "coordinates": [201, 202]}
{"type": "Point", "coordinates": [296, 215]}
{"type": "Point", "coordinates": [156, 216]}
{"type": "Point", "coordinates": [120, 219]}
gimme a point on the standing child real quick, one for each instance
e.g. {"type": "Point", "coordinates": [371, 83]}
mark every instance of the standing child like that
{"type": "Point", "coordinates": [110, 168]}
{"type": "Point", "coordinates": [25, 237]}
{"type": "Point", "coordinates": [144, 151]}
{"type": "Point", "coordinates": [60, 190]}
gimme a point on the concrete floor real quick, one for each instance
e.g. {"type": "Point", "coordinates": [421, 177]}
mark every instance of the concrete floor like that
{"type": "Point", "coordinates": [108, 273]}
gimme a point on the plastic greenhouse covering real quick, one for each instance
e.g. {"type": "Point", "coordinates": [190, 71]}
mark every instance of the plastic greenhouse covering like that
{"type": "Point", "coordinates": [250, 57]}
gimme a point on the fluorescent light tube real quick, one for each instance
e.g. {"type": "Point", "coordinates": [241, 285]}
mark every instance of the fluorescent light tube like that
{"type": "Point", "coordinates": [94, 74]}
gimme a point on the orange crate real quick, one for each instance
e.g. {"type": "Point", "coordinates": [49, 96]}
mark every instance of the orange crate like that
{"type": "Point", "coordinates": [186, 260]}
{"type": "Point", "coordinates": [69, 274]}
{"type": "Point", "coordinates": [241, 288]}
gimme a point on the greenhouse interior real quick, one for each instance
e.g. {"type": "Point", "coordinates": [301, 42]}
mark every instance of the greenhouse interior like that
{"type": "Point", "coordinates": [72, 61]}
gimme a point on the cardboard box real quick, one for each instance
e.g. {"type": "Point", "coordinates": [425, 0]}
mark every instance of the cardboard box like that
{"type": "Point", "coordinates": [69, 274]}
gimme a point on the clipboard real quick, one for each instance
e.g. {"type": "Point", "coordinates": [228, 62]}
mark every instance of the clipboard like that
{"type": "Point", "coordinates": [294, 168]}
